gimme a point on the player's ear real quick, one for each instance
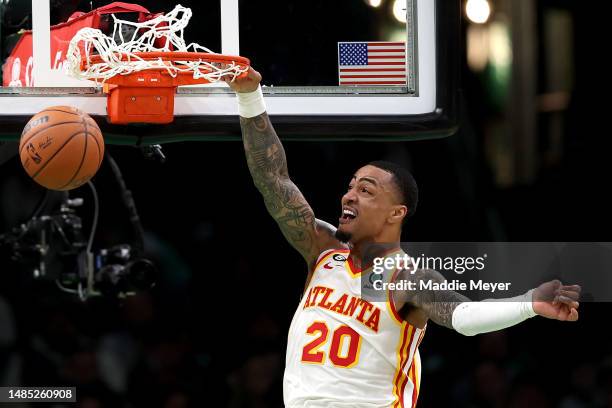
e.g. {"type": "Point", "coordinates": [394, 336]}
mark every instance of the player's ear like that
{"type": "Point", "coordinates": [398, 213]}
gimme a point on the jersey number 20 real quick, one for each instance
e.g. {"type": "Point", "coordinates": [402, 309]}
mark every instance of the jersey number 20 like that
{"type": "Point", "coordinates": [311, 353]}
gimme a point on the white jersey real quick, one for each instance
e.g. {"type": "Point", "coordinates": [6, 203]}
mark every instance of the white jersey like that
{"type": "Point", "coordinates": [346, 352]}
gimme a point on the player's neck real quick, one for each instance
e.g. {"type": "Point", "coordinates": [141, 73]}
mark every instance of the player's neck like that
{"type": "Point", "coordinates": [388, 240]}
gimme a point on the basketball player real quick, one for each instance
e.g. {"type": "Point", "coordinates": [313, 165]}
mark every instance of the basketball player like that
{"type": "Point", "coordinates": [342, 350]}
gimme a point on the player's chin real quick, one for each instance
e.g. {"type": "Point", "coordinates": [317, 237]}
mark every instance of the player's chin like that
{"type": "Point", "coordinates": [346, 225]}
{"type": "Point", "coordinates": [343, 234]}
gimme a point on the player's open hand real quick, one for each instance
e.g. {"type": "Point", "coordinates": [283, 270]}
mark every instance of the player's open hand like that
{"type": "Point", "coordinates": [557, 301]}
{"type": "Point", "coordinates": [245, 83]}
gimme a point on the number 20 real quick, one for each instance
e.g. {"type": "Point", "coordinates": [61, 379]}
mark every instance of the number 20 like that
{"type": "Point", "coordinates": [311, 353]}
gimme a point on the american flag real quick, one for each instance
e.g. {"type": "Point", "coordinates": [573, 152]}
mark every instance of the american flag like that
{"type": "Point", "coordinates": [372, 63]}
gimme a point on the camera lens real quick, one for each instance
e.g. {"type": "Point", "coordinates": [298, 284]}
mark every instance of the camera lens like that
{"type": "Point", "coordinates": [118, 279]}
{"type": "Point", "coordinates": [141, 274]}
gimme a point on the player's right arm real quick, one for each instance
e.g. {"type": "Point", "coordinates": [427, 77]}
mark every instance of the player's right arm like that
{"type": "Point", "coordinates": [267, 164]}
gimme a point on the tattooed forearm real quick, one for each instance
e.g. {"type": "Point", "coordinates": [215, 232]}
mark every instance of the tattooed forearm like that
{"type": "Point", "coordinates": [439, 305]}
{"type": "Point", "coordinates": [264, 151]}
{"type": "Point", "coordinates": [268, 166]}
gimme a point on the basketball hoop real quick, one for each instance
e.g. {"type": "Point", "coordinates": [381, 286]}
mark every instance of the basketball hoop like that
{"type": "Point", "coordinates": [143, 63]}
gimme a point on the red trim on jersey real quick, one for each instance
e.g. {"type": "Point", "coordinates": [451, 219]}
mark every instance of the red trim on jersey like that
{"type": "Point", "coordinates": [421, 336]}
{"type": "Point", "coordinates": [403, 386]}
{"type": "Point", "coordinates": [352, 268]}
{"type": "Point", "coordinates": [403, 378]}
{"type": "Point", "coordinates": [398, 371]}
{"type": "Point", "coordinates": [394, 312]}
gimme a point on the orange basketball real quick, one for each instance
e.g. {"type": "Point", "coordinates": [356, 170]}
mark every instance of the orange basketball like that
{"type": "Point", "coordinates": [61, 148]}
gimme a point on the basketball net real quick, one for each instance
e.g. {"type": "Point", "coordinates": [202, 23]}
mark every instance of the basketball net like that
{"type": "Point", "coordinates": [117, 54]}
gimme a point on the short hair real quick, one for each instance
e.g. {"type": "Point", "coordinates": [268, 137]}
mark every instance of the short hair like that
{"type": "Point", "coordinates": [404, 181]}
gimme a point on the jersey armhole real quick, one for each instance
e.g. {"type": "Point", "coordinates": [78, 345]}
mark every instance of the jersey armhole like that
{"type": "Point", "coordinates": [391, 303]}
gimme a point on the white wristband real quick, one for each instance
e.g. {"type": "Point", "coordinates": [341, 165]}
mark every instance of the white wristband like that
{"type": "Point", "coordinates": [251, 104]}
{"type": "Point", "coordinates": [471, 318]}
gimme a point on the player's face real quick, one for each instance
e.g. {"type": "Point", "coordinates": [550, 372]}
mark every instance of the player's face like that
{"type": "Point", "coordinates": [368, 204]}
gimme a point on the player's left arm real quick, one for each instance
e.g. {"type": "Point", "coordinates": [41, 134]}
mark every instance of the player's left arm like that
{"type": "Point", "coordinates": [455, 311]}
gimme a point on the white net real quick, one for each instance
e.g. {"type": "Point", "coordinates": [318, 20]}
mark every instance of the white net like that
{"type": "Point", "coordinates": [161, 34]}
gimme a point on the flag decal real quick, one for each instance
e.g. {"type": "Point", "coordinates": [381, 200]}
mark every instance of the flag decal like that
{"type": "Point", "coordinates": [372, 63]}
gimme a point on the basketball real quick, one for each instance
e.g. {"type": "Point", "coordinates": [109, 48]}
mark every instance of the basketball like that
{"type": "Point", "coordinates": [61, 148]}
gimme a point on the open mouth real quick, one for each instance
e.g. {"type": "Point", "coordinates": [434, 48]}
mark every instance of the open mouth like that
{"type": "Point", "coordinates": [348, 215]}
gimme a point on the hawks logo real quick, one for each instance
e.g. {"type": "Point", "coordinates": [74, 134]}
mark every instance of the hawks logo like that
{"type": "Point", "coordinates": [334, 262]}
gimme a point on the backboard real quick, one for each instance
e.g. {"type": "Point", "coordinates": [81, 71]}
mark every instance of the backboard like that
{"type": "Point", "coordinates": [347, 69]}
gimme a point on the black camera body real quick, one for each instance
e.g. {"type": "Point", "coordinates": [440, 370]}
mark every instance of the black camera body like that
{"type": "Point", "coordinates": [119, 271]}
{"type": "Point", "coordinates": [53, 247]}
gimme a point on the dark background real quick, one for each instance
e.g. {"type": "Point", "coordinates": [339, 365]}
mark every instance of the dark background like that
{"type": "Point", "coordinates": [213, 330]}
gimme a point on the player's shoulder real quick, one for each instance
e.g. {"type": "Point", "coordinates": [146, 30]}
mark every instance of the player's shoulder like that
{"type": "Point", "coordinates": [325, 241]}
{"type": "Point", "coordinates": [325, 229]}
{"type": "Point", "coordinates": [326, 237]}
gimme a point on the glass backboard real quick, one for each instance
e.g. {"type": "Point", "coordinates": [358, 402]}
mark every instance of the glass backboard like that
{"type": "Point", "coordinates": [356, 69]}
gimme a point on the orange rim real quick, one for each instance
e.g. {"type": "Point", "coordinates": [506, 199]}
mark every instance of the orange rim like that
{"type": "Point", "coordinates": [173, 56]}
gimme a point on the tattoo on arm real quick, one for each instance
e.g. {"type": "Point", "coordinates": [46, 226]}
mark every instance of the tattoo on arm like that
{"type": "Point", "coordinates": [439, 305]}
{"type": "Point", "coordinates": [268, 166]}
